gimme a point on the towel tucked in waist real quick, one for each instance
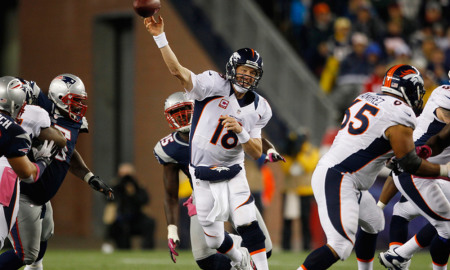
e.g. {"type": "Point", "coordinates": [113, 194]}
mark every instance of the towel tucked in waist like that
{"type": "Point", "coordinates": [215, 173]}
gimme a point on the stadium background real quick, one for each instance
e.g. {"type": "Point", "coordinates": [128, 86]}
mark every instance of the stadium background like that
{"type": "Point", "coordinates": [105, 44]}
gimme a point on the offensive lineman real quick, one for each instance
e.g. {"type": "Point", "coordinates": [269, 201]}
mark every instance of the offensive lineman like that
{"type": "Point", "coordinates": [35, 225]}
{"type": "Point", "coordinates": [375, 127]}
{"type": "Point", "coordinates": [227, 121]}
{"type": "Point", "coordinates": [14, 145]}
{"type": "Point", "coordinates": [173, 153]}
{"type": "Point", "coordinates": [429, 198]}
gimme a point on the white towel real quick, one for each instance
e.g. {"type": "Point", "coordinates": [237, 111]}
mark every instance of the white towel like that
{"type": "Point", "coordinates": [220, 210]}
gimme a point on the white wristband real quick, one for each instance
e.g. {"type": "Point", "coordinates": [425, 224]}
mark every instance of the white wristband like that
{"type": "Point", "coordinates": [243, 137]}
{"type": "Point", "coordinates": [443, 170]}
{"type": "Point", "coordinates": [88, 176]}
{"type": "Point", "coordinates": [381, 205]}
{"type": "Point", "coordinates": [161, 40]}
{"type": "Point", "coordinates": [172, 232]}
{"type": "Point", "coordinates": [271, 151]}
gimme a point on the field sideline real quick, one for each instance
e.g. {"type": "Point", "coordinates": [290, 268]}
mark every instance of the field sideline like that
{"type": "Point", "coordinates": [159, 259]}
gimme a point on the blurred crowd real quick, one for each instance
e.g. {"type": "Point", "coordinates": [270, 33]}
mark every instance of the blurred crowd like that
{"type": "Point", "coordinates": [349, 44]}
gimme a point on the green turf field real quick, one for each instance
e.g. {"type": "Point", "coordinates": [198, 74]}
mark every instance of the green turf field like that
{"type": "Point", "coordinates": [159, 259]}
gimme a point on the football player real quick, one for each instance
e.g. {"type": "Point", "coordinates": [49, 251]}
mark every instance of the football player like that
{"type": "Point", "coordinates": [14, 146]}
{"type": "Point", "coordinates": [375, 128]}
{"type": "Point", "coordinates": [423, 196]}
{"type": "Point", "coordinates": [228, 118]}
{"type": "Point", "coordinates": [34, 226]}
{"type": "Point", "coordinates": [173, 153]}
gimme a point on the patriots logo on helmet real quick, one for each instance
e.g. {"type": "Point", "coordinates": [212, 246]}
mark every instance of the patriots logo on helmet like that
{"type": "Point", "coordinates": [67, 80]}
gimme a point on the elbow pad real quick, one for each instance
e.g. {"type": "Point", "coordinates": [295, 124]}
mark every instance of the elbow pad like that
{"type": "Point", "coordinates": [410, 163]}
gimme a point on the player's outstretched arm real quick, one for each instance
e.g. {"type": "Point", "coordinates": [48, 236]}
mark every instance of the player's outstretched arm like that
{"type": "Point", "coordinates": [171, 186]}
{"type": "Point", "coordinates": [80, 170]}
{"type": "Point", "coordinates": [272, 154]}
{"type": "Point", "coordinates": [156, 29]}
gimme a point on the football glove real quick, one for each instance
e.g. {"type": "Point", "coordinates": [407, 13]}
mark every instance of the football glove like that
{"type": "Point", "coordinates": [45, 152]}
{"type": "Point", "coordinates": [97, 184]}
{"type": "Point", "coordinates": [173, 241]}
{"type": "Point", "coordinates": [192, 211]}
{"type": "Point", "coordinates": [273, 156]}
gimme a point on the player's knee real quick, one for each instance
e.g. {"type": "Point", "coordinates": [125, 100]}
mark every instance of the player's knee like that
{"type": "Point", "coordinates": [214, 241]}
{"type": "Point", "coordinates": [343, 248]}
{"type": "Point", "coordinates": [252, 236]}
{"type": "Point", "coordinates": [30, 257]}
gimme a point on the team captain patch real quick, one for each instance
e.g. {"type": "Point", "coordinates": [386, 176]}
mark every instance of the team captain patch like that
{"type": "Point", "coordinates": [224, 103]}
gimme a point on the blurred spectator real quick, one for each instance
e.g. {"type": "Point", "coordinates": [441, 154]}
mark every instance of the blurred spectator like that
{"type": "Point", "coordinates": [299, 17]}
{"type": "Point", "coordinates": [301, 160]}
{"type": "Point", "coordinates": [368, 23]}
{"type": "Point", "coordinates": [375, 80]}
{"type": "Point", "coordinates": [399, 23]}
{"type": "Point", "coordinates": [353, 72]}
{"type": "Point", "coordinates": [318, 34]}
{"type": "Point", "coordinates": [437, 66]}
{"type": "Point", "coordinates": [124, 216]}
{"type": "Point", "coordinates": [338, 48]}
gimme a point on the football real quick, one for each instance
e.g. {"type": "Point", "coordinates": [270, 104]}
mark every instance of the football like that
{"type": "Point", "coordinates": [146, 8]}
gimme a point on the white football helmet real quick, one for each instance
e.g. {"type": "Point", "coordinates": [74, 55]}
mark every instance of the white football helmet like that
{"type": "Point", "coordinates": [68, 93]}
{"type": "Point", "coordinates": [12, 96]}
{"type": "Point", "coordinates": [178, 111]}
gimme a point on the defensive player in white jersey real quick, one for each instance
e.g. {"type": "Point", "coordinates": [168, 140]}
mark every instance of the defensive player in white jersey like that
{"type": "Point", "coordinates": [375, 127]}
{"type": "Point", "coordinates": [228, 118]}
{"type": "Point", "coordinates": [173, 153]}
{"type": "Point", "coordinates": [429, 198]}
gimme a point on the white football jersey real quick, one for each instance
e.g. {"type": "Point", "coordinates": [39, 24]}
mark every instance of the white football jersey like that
{"type": "Point", "coordinates": [361, 148]}
{"type": "Point", "coordinates": [33, 119]}
{"type": "Point", "coordinates": [211, 144]}
{"type": "Point", "coordinates": [428, 123]}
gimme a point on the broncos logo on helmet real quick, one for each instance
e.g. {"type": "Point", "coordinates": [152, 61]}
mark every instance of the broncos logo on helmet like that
{"type": "Point", "coordinates": [406, 82]}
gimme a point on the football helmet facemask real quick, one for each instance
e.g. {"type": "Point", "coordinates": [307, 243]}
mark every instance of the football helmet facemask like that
{"type": "Point", "coordinates": [12, 96]}
{"type": "Point", "coordinates": [68, 93]}
{"type": "Point", "coordinates": [406, 82]}
{"type": "Point", "coordinates": [178, 111]}
{"type": "Point", "coordinates": [244, 57]}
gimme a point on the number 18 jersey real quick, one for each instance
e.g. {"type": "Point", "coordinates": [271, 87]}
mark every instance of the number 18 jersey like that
{"type": "Point", "coordinates": [361, 147]}
{"type": "Point", "coordinates": [210, 143]}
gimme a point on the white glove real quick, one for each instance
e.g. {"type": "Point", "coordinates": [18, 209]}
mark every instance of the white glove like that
{"type": "Point", "coordinates": [45, 153]}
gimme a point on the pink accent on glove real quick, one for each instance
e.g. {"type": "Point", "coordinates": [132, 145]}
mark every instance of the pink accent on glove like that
{"type": "Point", "coordinates": [172, 245]}
{"type": "Point", "coordinates": [423, 151]}
{"type": "Point", "coordinates": [192, 211]}
{"type": "Point", "coordinates": [274, 157]}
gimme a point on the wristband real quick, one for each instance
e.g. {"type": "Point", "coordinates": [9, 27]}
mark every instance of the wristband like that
{"type": "Point", "coordinates": [443, 170]}
{"type": "Point", "coordinates": [381, 205]}
{"type": "Point", "coordinates": [87, 177]}
{"type": "Point", "coordinates": [172, 232]}
{"type": "Point", "coordinates": [243, 137]}
{"type": "Point", "coordinates": [271, 151]}
{"type": "Point", "coordinates": [161, 40]}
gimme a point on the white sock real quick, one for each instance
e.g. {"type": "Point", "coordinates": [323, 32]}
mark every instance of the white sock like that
{"type": "Point", "coordinates": [408, 249]}
{"type": "Point", "coordinates": [439, 267]}
{"type": "Point", "coordinates": [365, 265]}
{"type": "Point", "coordinates": [260, 260]}
{"type": "Point", "coordinates": [234, 254]}
{"type": "Point", "coordinates": [392, 246]}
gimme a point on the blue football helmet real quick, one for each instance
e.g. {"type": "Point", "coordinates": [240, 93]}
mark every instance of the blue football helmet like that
{"type": "Point", "coordinates": [244, 57]}
{"type": "Point", "coordinates": [406, 82]}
